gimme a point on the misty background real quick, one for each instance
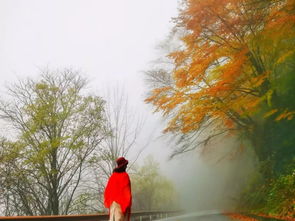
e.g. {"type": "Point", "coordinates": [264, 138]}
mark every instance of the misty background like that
{"type": "Point", "coordinates": [111, 43]}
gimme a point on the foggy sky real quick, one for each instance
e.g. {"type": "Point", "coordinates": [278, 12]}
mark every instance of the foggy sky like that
{"type": "Point", "coordinates": [110, 41]}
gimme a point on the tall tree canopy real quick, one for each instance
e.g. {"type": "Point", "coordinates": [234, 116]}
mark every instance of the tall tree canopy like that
{"type": "Point", "coordinates": [56, 129]}
{"type": "Point", "coordinates": [226, 65]}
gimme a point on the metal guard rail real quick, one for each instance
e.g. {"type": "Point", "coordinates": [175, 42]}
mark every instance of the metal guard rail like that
{"type": "Point", "coordinates": [135, 216]}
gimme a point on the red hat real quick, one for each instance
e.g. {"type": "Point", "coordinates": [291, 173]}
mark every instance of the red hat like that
{"type": "Point", "coordinates": [121, 161]}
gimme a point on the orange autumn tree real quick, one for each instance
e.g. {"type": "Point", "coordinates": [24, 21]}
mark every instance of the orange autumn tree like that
{"type": "Point", "coordinates": [224, 68]}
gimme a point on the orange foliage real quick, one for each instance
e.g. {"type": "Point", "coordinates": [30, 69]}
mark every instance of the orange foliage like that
{"type": "Point", "coordinates": [235, 216]}
{"type": "Point", "coordinates": [220, 75]}
{"type": "Point", "coordinates": [286, 218]}
{"type": "Point", "coordinates": [286, 115]}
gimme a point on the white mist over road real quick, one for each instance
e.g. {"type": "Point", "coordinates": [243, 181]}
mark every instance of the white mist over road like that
{"type": "Point", "coordinates": [212, 179]}
{"type": "Point", "coordinates": [206, 215]}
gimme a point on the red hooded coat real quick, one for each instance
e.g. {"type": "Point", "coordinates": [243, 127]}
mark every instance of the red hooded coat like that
{"type": "Point", "coordinates": [118, 189]}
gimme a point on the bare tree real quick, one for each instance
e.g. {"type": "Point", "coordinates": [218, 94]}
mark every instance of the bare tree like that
{"type": "Point", "coordinates": [124, 126]}
{"type": "Point", "coordinates": [57, 129]}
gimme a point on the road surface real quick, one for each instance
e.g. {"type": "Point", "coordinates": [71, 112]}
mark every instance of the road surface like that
{"type": "Point", "coordinates": [211, 215]}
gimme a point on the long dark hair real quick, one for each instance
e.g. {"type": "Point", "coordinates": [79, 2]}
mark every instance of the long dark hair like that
{"type": "Point", "coordinates": [120, 169]}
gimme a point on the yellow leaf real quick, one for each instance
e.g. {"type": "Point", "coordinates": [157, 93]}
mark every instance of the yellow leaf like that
{"type": "Point", "coordinates": [284, 56]}
{"type": "Point", "coordinates": [269, 113]}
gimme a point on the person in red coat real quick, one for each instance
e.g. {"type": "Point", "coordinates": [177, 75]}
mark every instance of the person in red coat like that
{"type": "Point", "coordinates": [117, 195]}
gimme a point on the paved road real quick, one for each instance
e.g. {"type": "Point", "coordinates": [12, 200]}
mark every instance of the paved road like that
{"type": "Point", "coordinates": [211, 215]}
{"type": "Point", "coordinates": [202, 218]}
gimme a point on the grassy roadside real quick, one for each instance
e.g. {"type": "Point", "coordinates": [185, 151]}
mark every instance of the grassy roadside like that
{"type": "Point", "coordinates": [256, 217]}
